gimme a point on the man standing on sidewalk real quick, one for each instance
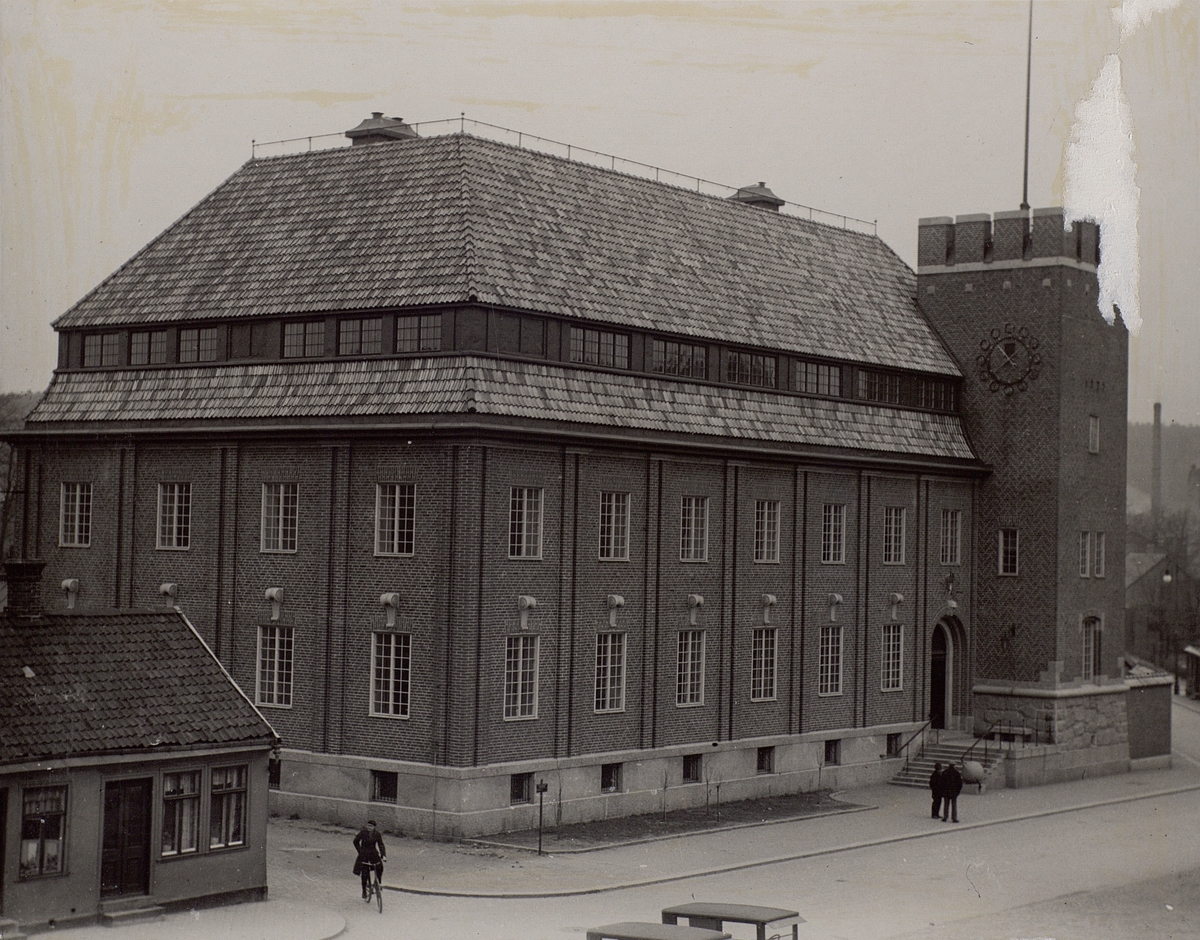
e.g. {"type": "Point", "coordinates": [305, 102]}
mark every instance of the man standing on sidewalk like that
{"type": "Point", "coordinates": [952, 784]}
{"type": "Point", "coordinates": [935, 787]}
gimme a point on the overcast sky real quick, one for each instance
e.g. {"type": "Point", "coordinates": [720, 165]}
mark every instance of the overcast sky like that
{"type": "Point", "coordinates": [119, 115]}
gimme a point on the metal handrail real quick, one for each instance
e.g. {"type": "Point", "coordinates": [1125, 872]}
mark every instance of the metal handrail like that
{"type": "Point", "coordinates": [980, 737]}
{"type": "Point", "coordinates": [905, 745]}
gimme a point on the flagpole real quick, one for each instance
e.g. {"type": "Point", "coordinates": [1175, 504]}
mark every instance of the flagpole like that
{"type": "Point", "coordinates": [1028, 75]}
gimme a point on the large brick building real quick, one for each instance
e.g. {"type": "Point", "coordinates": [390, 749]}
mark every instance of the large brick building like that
{"type": "Point", "coordinates": [482, 466]}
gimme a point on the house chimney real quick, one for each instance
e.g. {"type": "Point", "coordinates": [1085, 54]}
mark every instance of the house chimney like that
{"type": "Point", "coordinates": [378, 129]}
{"type": "Point", "coordinates": [24, 587]}
{"type": "Point", "coordinates": [1156, 472]}
{"type": "Point", "coordinates": [758, 196]}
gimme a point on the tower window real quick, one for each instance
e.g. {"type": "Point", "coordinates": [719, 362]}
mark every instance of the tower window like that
{"type": "Point", "coordinates": [1009, 542]}
{"type": "Point", "coordinates": [1093, 434]}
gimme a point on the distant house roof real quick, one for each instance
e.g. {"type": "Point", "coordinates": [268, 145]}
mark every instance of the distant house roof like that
{"type": "Point", "coordinates": [1139, 564]}
{"type": "Point", "coordinates": [349, 390]}
{"type": "Point", "coordinates": [93, 684]}
{"type": "Point", "coordinates": [457, 218]}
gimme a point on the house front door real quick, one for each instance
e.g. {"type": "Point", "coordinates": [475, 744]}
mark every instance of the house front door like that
{"type": "Point", "coordinates": [937, 678]}
{"type": "Point", "coordinates": [125, 857]}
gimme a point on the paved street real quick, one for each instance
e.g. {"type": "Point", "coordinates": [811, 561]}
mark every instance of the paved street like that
{"type": "Point", "coordinates": [1023, 863]}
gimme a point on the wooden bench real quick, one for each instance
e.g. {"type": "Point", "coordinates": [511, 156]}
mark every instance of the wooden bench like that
{"type": "Point", "coordinates": [632, 930]}
{"type": "Point", "coordinates": [714, 916]}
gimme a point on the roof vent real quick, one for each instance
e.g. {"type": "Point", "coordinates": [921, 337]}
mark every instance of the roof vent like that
{"type": "Point", "coordinates": [378, 129]}
{"type": "Point", "coordinates": [758, 196]}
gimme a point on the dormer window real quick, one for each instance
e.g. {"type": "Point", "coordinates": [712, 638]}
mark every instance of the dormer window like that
{"type": "Point", "coordinates": [101, 349]}
{"type": "Point", "coordinates": [745, 368]}
{"type": "Point", "coordinates": [304, 340]}
{"type": "Point", "coordinates": [148, 348]}
{"type": "Point", "coordinates": [671, 358]}
{"type": "Point", "coordinates": [817, 378]}
{"type": "Point", "coordinates": [600, 348]}
{"type": "Point", "coordinates": [419, 334]}
{"type": "Point", "coordinates": [199, 345]}
{"type": "Point", "coordinates": [879, 386]}
{"type": "Point", "coordinates": [360, 337]}
{"type": "Point", "coordinates": [935, 394]}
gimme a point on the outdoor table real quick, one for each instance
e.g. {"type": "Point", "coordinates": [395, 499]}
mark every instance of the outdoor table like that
{"type": "Point", "coordinates": [707, 914]}
{"type": "Point", "coordinates": [632, 930]}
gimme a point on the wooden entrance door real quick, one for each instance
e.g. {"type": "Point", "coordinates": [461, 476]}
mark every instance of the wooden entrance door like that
{"type": "Point", "coordinates": [937, 678]}
{"type": "Point", "coordinates": [125, 857]}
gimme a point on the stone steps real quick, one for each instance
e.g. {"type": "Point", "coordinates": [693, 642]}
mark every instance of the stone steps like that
{"type": "Point", "coordinates": [916, 774]}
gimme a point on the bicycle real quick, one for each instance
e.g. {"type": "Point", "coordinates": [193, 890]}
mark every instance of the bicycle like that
{"type": "Point", "coordinates": [374, 886]}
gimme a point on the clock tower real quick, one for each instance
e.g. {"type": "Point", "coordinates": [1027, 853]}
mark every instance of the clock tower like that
{"type": "Point", "coordinates": [1013, 296]}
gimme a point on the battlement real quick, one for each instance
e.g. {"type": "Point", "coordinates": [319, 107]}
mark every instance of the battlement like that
{"type": "Point", "coordinates": [1013, 236]}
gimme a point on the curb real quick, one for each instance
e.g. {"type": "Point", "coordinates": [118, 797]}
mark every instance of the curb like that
{"type": "Point", "coordinates": [815, 853]}
{"type": "Point", "coordinates": [852, 808]}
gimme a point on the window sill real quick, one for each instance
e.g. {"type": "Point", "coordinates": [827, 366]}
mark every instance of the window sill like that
{"type": "Point", "coordinates": [73, 545]}
{"type": "Point", "coordinates": [172, 548]}
{"type": "Point", "coordinates": [609, 711]}
{"type": "Point", "coordinates": [266, 705]}
{"type": "Point", "coordinates": [829, 694]}
{"type": "Point", "coordinates": [520, 718]}
{"type": "Point", "coordinates": [766, 561]}
{"type": "Point", "coordinates": [278, 551]}
{"type": "Point", "coordinates": [759, 701]}
{"type": "Point", "coordinates": [388, 716]}
{"type": "Point", "coordinates": [689, 704]}
{"type": "Point", "coordinates": [394, 554]}
{"type": "Point", "coordinates": [604, 560]}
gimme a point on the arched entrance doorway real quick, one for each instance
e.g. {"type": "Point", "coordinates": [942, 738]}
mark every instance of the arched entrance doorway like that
{"type": "Point", "coordinates": [939, 672]}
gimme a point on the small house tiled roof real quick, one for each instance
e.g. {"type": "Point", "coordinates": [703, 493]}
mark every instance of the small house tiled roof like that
{"type": "Point", "coordinates": [464, 385]}
{"type": "Point", "coordinates": [457, 218]}
{"type": "Point", "coordinates": [91, 684]}
{"type": "Point", "coordinates": [1139, 564]}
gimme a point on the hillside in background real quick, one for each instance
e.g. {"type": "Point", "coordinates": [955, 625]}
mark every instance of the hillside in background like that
{"type": "Point", "coordinates": [14, 406]}
{"type": "Point", "coordinates": [1181, 451]}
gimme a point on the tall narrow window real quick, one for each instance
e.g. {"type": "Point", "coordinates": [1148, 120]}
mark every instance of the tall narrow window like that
{"type": "Point", "coordinates": [75, 515]}
{"type": "Point", "coordinates": [833, 534]}
{"type": "Point", "coordinates": [689, 680]}
{"type": "Point", "coordinates": [304, 340]}
{"type": "Point", "coordinates": [599, 347]}
{"type": "Point", "coordinates": [766, 531]}
{"type": "Point", "coordinates": [893, 535]}
{"type": "Point", "coordinates": [174, 515]}
{"type": "Point", "coordinates": [43, 831]}
{"type": "Point", "coordinates": [395, 518]}
{"type": "Point", "coordinates": [419, 334]}
{"type": "Point", "coordinates": [1093, 434]}
{"type": "Point", "coordinates": [227, 816]}
{"type": "Point", "coordinates": [891, 670]}
{"type": "Point", "coordinates": [275, 666]}
{"type": "Point", "coordinates": [391, 661]}
{"type": "Point", "coordinates": [181, 813]}
{"type": "Point", "coordinates": [762, 664]}
{"type": "Point", "coordinates": [360, 337]}
{"type": "Point", "coordinates": [525, 522]}
{"type": "Point", "coordinates": [610, 672]}
{"type": "Point", "coordinates": [520, 677]}
{"type": "Point", "coordinates": [280, 509]}
{"type": "Point", "coordinates": [1085, 554]}
{"type": "Point", "coordinates": [614, 526]}
{"type": "Point", "coordinates": [1009, 546]}
{"type": "Point", "coordinates": [148, 348]}
{"type": "Point", "coordinates": [1098, 554]}
{"type": "Point", "coordinates": [830, 664]}
{"type": "Point", "coordinates": [1093, 660]}
{"type": "Point", "coordinates": [693, 528]}
{"type": "Point", "coordinates": [951, 553]}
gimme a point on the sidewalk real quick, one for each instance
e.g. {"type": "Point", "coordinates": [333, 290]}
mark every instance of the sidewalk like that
{"type": "Point", "coordinates": [314, 896]}
{"type": "Point", "coordinates": [898, 814]}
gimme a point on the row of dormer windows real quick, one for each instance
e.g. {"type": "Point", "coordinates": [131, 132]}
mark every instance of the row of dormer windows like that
{"type": "Point", "coordinates": [472, 329]}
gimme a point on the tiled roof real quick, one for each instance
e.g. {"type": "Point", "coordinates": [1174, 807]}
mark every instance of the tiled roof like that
{"type": "Point", "coordinates": [444, 219]}
{"type": "Point", "coordinates": [1139, 564]}
{"type": "Point", "coordinates": [456, 385]}
{"type": "Point", "coordinates": [105, 683]}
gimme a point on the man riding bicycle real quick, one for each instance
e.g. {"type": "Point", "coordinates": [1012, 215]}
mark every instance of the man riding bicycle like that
{"type": "Point", "coordinates": [371, 853]}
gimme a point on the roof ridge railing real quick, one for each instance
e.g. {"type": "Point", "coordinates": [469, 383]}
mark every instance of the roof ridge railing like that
{"type": "Point", "coordinates": [599, 158]}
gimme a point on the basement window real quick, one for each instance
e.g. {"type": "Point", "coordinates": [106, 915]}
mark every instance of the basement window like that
{"type": "Point", "coordinates": [833, 751]}
{"type": "Point", "coordinates": [520, 788]}
{"type": "Point", "coordinates": [610, 778]}
{"type": "Point", "coordinates": [385, 786]}
{"type": "Point", "coordinates": [766, 760]}
{"type": "Point", "coordinates": [693, 765]}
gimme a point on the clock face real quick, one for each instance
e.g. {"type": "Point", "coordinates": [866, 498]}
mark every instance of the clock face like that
{"type": "Point", "coordinates": [1008, 360]}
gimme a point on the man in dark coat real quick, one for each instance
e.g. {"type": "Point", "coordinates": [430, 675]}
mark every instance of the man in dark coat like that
{"type": "Point", "coordinates": [369, 845]}
{"type": "Point", "coordinates": [952, 784]}
{"type": "Point", "coordinates": [935, 787]}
